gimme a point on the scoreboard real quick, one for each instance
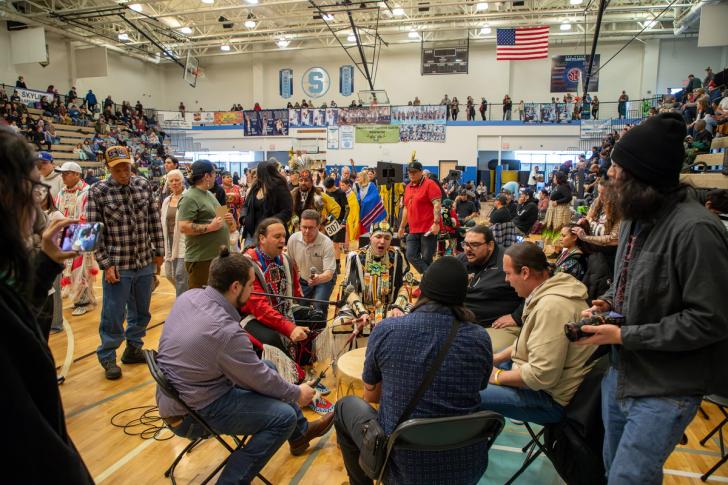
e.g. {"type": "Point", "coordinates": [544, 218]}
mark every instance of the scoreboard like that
{"type": "Point", "coordinates": [446, 57]}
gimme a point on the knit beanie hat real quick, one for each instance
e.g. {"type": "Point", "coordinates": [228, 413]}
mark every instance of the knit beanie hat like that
{"type": "Point", "coordinates": [653, 151]}
{"type": "Point", "coordinates": [445, 281]}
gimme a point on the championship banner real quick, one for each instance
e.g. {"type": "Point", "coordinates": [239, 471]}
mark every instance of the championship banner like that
{"type": "Point", "coordinates": [432, 133]}
{"type": "Point", "coordinates": [419, 115]}
{"type": "Point", "coordinates": [285, 83]}
{"type": "Point", "coordinates": [531, 113]}
{"type": "Point", "coordinates": [332, 138]}
{"type": "Point", "coordinates": [372, 115]}
{"type": "Point", "coordinates": [377, 134]}
{"type": "Point", "coordinates": [266, 122]}
{"type": "Point", "coordinates": [346, 137]}
{"type": "Point", "coordinates": [548, 113]}
{"type": "Point", "coordinates": [568, 73]}
{"type": "Point", "coordinates": [172, 120]}
{"type": "Point", "coordinates": [313, 117]}
{"type": "Point", "coordinates": [228, 117]}
{"type": "Point", "coordinates": [346, 80]}
{"type": "Point", "coordinates": [591, 129]}
{"type": "Point", "coordinates": [31, 97]}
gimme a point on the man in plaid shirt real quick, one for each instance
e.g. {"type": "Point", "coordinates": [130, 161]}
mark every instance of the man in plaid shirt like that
{"type": "Point", "coordinates": [131, 246]}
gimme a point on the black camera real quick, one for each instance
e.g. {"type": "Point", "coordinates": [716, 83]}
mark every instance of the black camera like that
{"type": "Point", "coordinates": [574, 332]}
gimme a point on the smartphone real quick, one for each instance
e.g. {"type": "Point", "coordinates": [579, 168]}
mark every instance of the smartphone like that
{"type": "Point", "coordinates": [83, 238]}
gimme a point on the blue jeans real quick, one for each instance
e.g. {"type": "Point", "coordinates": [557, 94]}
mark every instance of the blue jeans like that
{"type": "Point", "coordinates": [318, 292]}
{"type": "Point", "coordinates": [175, 271]}
{"type": "Point", "coordinates": [521, 404]}
{"type": "Point", "coordinates": [640, 433]}
{"type": "Point", "coordinates": [129, 298]}
{"type": "Point", "coordinates": [241, 412]}
{"type": "Point", "coordinates": [420, 250]}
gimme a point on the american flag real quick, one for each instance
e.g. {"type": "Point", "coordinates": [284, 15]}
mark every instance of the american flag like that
{"type": "Point", "coordinates": [522, 43]}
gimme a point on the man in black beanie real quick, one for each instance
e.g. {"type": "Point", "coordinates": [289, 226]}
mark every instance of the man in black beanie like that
{"type": "Point", "coordinates": [669, 283]}
{"type": "Point", "coordinates": [399, 354]}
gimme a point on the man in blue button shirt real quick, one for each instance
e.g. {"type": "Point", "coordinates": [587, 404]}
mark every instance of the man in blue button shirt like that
{"type": "Point", "coordinates": [399, 353]}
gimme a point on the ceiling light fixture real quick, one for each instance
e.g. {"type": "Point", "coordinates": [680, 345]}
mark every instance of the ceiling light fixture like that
{"type": "Point", "coordinates": [209, 2]}
{"type": "Point", "coordinates": [225, 48]}
{"type": "Point", "coordinates": [327, 17]}
{"type": "Point", "coordinates": [283, 43]}
{"type": "Point", "coordinates": [123, 37]}
{"type": "Point", "coordinates": [252, 2]}
{"type": "Point", "coordinates": [480, 6]}
{"type": "Point", "coordinates": [649, 24]}
{"type": "Point", "coordinates": [186, 30]}
{"type": "Point", "coordinates": [413, 34]}
{"type": "Point", "coordinates": [137, 7]}
{"type": "Point", "coordinates": [397, 11]}
{"type": "Point", "coordinates": [351, 38]}
{"type": "Point", "coordinates": [250, 22]}
{"type": "Point", "coordinates": [576, 2]}
{"type": "Point", "coordinates": [565, 26]}
{"type": "Point", "coordinates": [485, 30]}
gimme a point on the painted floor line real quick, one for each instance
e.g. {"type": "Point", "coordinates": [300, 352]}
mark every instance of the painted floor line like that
{"type": "Point", "coordinates": [309, 459]}
{"type": "Point", "coordinates": [682, 473]}
{"type": "Point", "coordinates": [123, 461]}
{"type": "Point", "coordinates": [107, 399]}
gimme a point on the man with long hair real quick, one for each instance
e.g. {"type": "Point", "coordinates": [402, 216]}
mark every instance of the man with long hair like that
{"type": "Point", "coordinates": [669, 284]}
{"type": "Point", "coordinates": [399, 353]}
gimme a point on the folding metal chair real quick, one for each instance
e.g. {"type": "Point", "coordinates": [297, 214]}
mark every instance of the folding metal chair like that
{"type": "Point", "coordinates": [166, 387]}
{"type": "Point", "coordinates": [442, 434]}
{"type": "Point", "coordinates": [722, 403]}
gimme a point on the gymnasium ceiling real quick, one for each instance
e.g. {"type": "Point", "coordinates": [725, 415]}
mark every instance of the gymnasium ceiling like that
{"type": "Point", "coordinates": [159, 29]}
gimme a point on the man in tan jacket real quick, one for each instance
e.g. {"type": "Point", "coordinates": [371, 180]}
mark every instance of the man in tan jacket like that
{"type": "Point", "coordinates": [535, 378]}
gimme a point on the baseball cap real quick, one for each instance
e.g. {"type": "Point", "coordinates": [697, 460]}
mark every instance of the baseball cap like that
{"type": "Point", "coordinates": [199, 168]}
{"type": "Point", "coordinates": [70, 167]}
{"type": "Point", "coordinates": [414, 165]}
{"type": "Point", "coordinates": [45, 156]}
{"type": "Point", "coordinates": [116, 155]}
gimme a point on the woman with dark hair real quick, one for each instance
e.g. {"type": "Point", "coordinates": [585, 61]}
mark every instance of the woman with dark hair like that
{"type": "Point", "coordinates": [36, 421]}
{"type": "Point", "coordinates": [559, 211]}
{"type": "Point", "coordinates": [603, 219]}
{"type": "Point", "coordinates": [572, 259]}
{"type": "Point", "coordinates": [268, 197]}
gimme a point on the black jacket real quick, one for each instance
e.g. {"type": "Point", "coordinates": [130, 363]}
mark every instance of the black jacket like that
{"type": "Point", "coordinates": [561, 194]}
{"type": "Point", "coordinates": [499, 216]}
{"type": "Point", "coordinates": [489, 295]}
{"type": "Point", "coordinates": [526, 215]}
{"type": "Point", "coordinates": [41, 450]}
{"type": "Point", "coordinates": [277, 203]}
{"type": "Point", "coordinates": [675, 338]}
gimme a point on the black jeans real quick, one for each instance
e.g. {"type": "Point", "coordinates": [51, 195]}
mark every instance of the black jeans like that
{"type": "Point", "coordinates": [420, 250]}
{"type": "Point", "coordinates": [350, 414]}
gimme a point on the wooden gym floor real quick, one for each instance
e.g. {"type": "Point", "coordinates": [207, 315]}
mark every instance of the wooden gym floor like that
{"type": "Point", "coordinates": [114, 457]}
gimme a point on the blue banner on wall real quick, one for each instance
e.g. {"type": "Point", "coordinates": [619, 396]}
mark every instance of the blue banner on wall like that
{"type": "Point", "coordinates": [568, 73]}
{"type": "Point", "coordinates": [285, 83]}
{"type": "Point", "coordinates": [346, 80]}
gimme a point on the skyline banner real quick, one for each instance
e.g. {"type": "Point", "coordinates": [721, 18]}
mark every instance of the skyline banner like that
{"type": "Point", "coordinates": [418, 115]}
{"type": "Point", "coordinates": [377, 134]}
{"type": "Point", "coordinates": [371, 115]}
{"type": "Point", "coordinates": [568, 73]}
{"type": "Point", "coordinates": [431, 133]}
{"type": "Point", "coordinates": [285, 83]}
{"type": "Point", "coordinates": [266, 122]}
{"type": "Point", "coordinates": [346, 80]}
{"type": "Point", "coordinates": [30, 96]}
{"type": "Point", "coordinates": [173, 120]}
{"type": "Point", "coordinates": [313, 117]}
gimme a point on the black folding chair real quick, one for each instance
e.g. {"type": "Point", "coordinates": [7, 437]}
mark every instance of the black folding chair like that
{"type": "Point", "coordinates": [442, 434]}
{"type": "Point", "coordinates": [722, 403]}
{"type": "Point", "coordinates": [166, 387]}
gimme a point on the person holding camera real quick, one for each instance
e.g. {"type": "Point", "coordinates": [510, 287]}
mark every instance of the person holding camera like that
{"type": "Point", "coordinates": [669, 285]}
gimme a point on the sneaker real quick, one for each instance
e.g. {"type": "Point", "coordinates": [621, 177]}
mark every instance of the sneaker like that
{"type": "Point", "coordinates": [132, 355]}
{"type": "Point", "coordinates": [80, 310]}
{"type": "Point", "coordinates": [113, 371]}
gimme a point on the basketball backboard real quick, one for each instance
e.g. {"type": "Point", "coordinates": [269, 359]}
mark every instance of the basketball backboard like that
{"type": "Point", "coordinates": [192, 70]}
{"type": "Point", "coordinates": [377, 97]}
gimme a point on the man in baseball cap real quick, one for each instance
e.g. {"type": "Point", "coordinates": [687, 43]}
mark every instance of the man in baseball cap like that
{"type": "Point", "coordinates": [48, 174]}
{"type": "Point", "coordinates": [131, 246]}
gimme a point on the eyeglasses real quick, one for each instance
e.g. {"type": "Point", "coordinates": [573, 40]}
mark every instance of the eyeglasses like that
{"type": "Point", "coordinates": [469, 245]}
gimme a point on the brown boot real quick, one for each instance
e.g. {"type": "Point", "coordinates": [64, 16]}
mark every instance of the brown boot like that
{"type": "Point", "coordinates": [315, 429]}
